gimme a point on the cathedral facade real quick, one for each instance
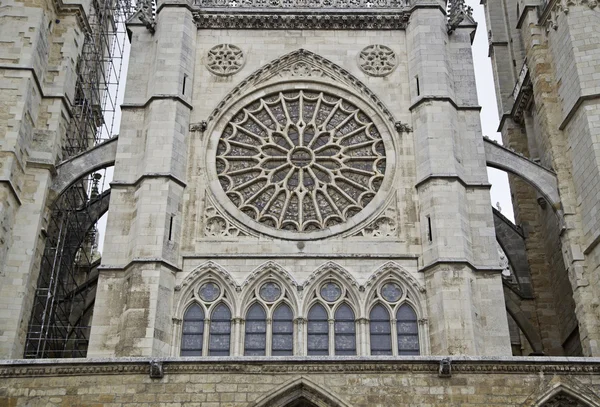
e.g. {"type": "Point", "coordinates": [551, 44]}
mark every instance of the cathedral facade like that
{"type": "Point", "coordinates": [300, 211]}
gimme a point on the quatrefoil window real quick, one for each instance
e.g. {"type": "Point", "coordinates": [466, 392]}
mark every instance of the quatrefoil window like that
{"type": "Point", "coordinates": [301, 160]}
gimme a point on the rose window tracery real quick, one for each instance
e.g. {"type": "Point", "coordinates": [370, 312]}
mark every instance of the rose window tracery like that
{"type": "Point", "coordinates": [300, 160]}
{"type": "Point", "coordinates": [377, 60]}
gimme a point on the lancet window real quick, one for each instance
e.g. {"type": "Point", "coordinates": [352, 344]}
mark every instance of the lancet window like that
{"type": "Point", "coordinates": [268, 323]}
{"type": "Point", "coordinates": [331, 322]}
{"type": "Point", "coordinates": [203, 336]}
{"type": "Point", "coordinates": [393, 324]}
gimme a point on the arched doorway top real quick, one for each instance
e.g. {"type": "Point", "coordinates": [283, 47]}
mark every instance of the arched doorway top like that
{"type": "Point", "coordinates": [299, 392]}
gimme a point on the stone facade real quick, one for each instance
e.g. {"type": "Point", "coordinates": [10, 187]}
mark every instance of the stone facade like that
{"type": "Point", "coordinates": [300, 210]}
{"type": "Point", "coordinates": [341, 382]}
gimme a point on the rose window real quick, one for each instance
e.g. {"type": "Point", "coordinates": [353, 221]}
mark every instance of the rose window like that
{"type": "Point", "coordinates": [300, 160]}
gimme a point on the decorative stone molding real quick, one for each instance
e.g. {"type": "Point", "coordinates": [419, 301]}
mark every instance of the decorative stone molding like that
{"type": "Point", "coordinates": [302, 4]}
{"type": "Point", "coordinates": [458, 12]}
{"type": "Point", "coordinates": [205, 269]}
{"type": "Point", "coordinates": [396, 21]}
{"type": "Point", "coordinates": [267, 268]}
{"type": "Point", "coordinates": [393, 269]}
{"type": "Point", "coordinates": [377, 60]}
{"type": "Point", "coordinates": [286, 62]}
{"type": "Point", "coordinates": [445, 369]}
{"type": "Point", "coordinates": [385, 225]}
{"type": "Point", "coordinates": [200, 126]}
{"type": "Point", "coordinates": [301, 69]}
{"type": "Point", "coordinates": [145, 14]}
{"type": "Point", "coordinates": [225, 59]}
{"type": "Point", "coordinates": [555, 8]}
{"type": "Point", "coordinates": [156, 369]}
{"type": "Point", "coordinates": [562, 391]}
{"type": "Point", "coordinates": [216, 225]}
{"type": "Point", "coordinates": [521, 365]}
{"type": "Point", "coordinates": [330, 267]}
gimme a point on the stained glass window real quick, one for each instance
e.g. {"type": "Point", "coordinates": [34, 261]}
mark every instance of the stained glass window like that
{"type": "Point", "coordinates": [318, 331]}
{"type": "Point", "coordinates": [255, 343]}
{"type": "Point", "coordinates": [220, 331]}
{"type": "Point", "coordinates": [345, 331]}
{"type": "Point", "coordinates": [193, 330]}
{"type": "Point", "coordinates": [283, 331]}
{"type": "Point", "coordinates": [408, 331]}
{"type": "Point", "coordinates": [300, 160]}
{"type": "Point", "coordinates": [381, 331]}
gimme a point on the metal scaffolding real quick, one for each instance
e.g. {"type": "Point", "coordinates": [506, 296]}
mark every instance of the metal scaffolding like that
{"type": "Point", "coordinates": [64, 298]}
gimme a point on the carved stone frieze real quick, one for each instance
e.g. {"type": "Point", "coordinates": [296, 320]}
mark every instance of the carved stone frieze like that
{"type": "Point", "coordinates": [302, 4]}
{"type": "Point", "coordinates": [120, 367]}
{"type": "Point", "coordinates": [385, 225]}
{"type": "Point", "coordinates": [286, 63]}
{"type": "Point", "coordinates": [396, 21]}
{"type": "Point", "coordinates": [301, 69]}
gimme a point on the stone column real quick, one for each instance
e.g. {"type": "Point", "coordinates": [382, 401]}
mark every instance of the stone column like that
{"type": "Point", "coordinates": [141, 256]}
{"type": "Point", "coordinates": [460, 260]}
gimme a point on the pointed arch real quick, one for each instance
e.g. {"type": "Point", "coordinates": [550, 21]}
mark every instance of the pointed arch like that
{"type": "Point", "coordinates": [206, 271]}
{"type": "Point", "coordinates": [559, 390]}
{"type": "Point", "coordinates": [394, 271]}
{"type": "Point", "coordinates": [299, 388]}
{"type": "Point", "coordinates": [334, 271]}
{"type": "Point", "coordinates": [319, 69]}
{"type": "Point", "coordinates": [270, 271]}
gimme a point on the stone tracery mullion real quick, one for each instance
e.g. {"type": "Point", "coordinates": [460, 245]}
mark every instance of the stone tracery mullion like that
{"type": "Point", "coordinates": [293, 148]}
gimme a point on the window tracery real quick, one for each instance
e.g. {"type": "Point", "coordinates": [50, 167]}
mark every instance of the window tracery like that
{"type": "Point", "coordinates": [377, 60]}
{"type": "Point", "coordinates": [394, 328]}
{"type": "Point", "coordinates": [270, 325]}
{"type": "Point", "coordinates": [225, 59]}
{"type": "Point", "coordinates": [202, 336]}
{"type": "Point", "coordinates": [300, 161]}
{"type": "Point", "coordinates": [269, 328]}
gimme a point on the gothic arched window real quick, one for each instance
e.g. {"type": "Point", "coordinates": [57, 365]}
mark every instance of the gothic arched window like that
{"type": "Point", "coordinates": [393, 312]}
{"type": "Point", "coordinates": [193, 331]}
{"type": "Point", "coordinates": [283, 331]}
{"type": "Point", "coordinates": [220, 331]}
{"type": "Point", "coordinates": [318, 331]}
{"type": "Point", "coordinates": [344, 331]}
{"type": "Point", "coordinates": [255, 343]}
{"type": "Point", "coordinates": [381, 331]}
{"type": "Point", "coordinates": [408, 330]}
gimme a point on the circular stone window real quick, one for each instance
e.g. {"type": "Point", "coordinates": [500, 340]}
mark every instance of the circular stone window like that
{"type": "Point", "coordinates": [300, 164]}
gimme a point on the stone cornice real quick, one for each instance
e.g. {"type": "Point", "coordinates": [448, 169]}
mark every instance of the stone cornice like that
{"type": "Point", "coordinates": [298, 364]}
{"type": "Point", "coordinates": [297, 21]}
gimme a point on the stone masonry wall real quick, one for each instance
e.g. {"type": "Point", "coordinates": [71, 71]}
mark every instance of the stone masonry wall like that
{"type": "Point", "coordinates": [252, 382]}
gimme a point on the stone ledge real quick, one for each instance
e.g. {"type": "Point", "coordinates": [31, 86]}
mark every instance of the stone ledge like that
{"type": "Point", "coordinates": [258, 365]}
